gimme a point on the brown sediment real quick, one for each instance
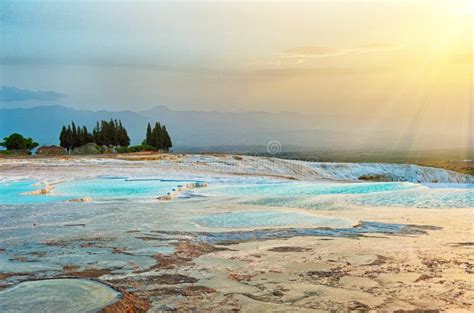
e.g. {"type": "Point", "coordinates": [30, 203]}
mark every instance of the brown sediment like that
{"type": "Point", "coordinates": [79, 200]}
{"type": "Point", "coordinates": [43, 191]}
{"type": "Point", "coordinates": [418, 311]}
{"type": "Point", "coordinates": [188, 291]}
{"type": "Point", "coordinates": [168, 261]}
{"type": "Point", "coordinates": [185, 252]}
{"type": "Point", "coordinates": [22, 259]}
{"type": "Point", "coordinates": [379, 261]}
{"type": "Point", "coordinates": [148, 238]}
{"type": "Point", "coordinates": [149, 156]}
{"type": "Point", "coordinates": [163, 279]}
{"type": "Point", "coordinates": [116, 250]}
{"type": "Point", "coordinates": [4, 276]}
{"type": "Point", "coordinates": [195, 249]}
{"type": "Point", "coordinates": [171, 279]}
{"type": "Point", "coordinates": [196, 290]}
{"type": "Point", "coordinates": [129, 303]}
{"type": "Point", "coordinates": [72, 270]}
{"type": "Point", "coordinates": [423, 277]}
{"type": "Point", "coordinates": [74, 225]}
{"type": "Point", "coordinates": [288, 249]}
{"type": "Point", "coordinates": [88, 241]}
{"type": "Point", "coordinates": [4, 286]}
{"type": "Point", "coordinates": [463, 244]}
{"type": "Point", "coordinates": [38, 253]}
{"type": "Point", "coordinates": [376, 178]}
{"type": "Point", "coordinates": [240, 277]}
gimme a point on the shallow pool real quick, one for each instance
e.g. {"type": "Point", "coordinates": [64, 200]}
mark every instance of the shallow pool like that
{"type": "Point", "coordinates": [252, 219]}
{"type": "Point", "coordinates": [58, 295]}
{"type": "Point", "coordinates": [309, 189]}
{"type": "Point", "coordinates": [342, 195]}
{"type": "Point", "coordinates": [117, 188]}
{"type": "Point", "coordinates": [13, 192]}
{"type": "Point", "coordinates": [432, 197]}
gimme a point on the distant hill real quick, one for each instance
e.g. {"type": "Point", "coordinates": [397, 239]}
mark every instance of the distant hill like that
{"type": "Point", "coordinates": [217, 131]}
{"type": "Point", "coordinates": [187, 128]}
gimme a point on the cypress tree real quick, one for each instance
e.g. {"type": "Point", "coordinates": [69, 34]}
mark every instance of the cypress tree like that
{"type": "Point", "coordinates": [124, 140]}
{"type": "Point", "coordinates": [95, 132]}
{"type": "Point", "coordinates": [167, 139]}
{"type": "Point", "coordinates": [115, 133]}
{"type": "Point", "coordinates": [62, 137]}
{"type": "Point", "coordinates": [105, 133]}
{"type": "Point", "coordinates": [154, 138]}
{"type": "Point", "coordinates": [159, 136]}
{"type": "Point", "coordinates": [148, 135]}
{"type": "Point", "coordinates": [86, 136]}
{"type": "Point", "coordinates": [74, 141]}
{"type": "Point", "coordinates": [79, 137]}
{"type": "Point", "coordinates": [68, 138]}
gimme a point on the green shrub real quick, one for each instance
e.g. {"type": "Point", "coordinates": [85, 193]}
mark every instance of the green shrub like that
{"type": "Point", "coordinates": [121, 149]}
{"type": "Point", "coordinates": [139, 148]}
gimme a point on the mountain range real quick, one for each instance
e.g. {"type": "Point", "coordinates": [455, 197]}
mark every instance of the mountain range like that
{"type": "Point", "coordinates": [199, 129]}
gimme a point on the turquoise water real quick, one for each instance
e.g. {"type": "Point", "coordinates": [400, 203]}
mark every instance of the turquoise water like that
{"type": "Point", "coordinates": [11, 193]}
{"type": "Point", "coordinates": [310, 189]}
{"type": "Point", "coordinates": [444, 197]}
{"type": "Point", "coordinates": [252, 219]}
{"type": "Point", "coordinates": [57, 295]}
{"type": "Point", "coordinates": [125, 235]}
{"type": "Point", "coordinates": [339, 195]}
{"type": "Point", "coordinates": [116, 188]}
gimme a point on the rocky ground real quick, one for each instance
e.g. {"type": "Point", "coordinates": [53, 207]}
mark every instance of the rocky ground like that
{"type": "Point", "coordinates": [431, 271]}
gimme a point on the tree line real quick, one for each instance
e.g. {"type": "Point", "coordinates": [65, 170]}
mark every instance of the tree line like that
{"type": "Point", "coordinates": [110, 133]}
{"type": "Point", "coordinates": [157, 137]}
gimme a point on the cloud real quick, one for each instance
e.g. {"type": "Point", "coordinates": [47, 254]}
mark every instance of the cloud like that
{"type": "Point", "coordinates": [306, 55]}
{"type": "Point", "coordinates": [10, 94]}
{"type": "Point", "coordinates": [321, 51]}
{"type": "Point", "coordinates": [312, 51]}
{"type": "Point", "coordinates": [321, 71]}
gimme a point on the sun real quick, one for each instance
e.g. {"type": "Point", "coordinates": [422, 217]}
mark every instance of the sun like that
{"type": "Point", "coordinates": [470, 7]}
{"type": "Point", "coordinates": [466, 8]}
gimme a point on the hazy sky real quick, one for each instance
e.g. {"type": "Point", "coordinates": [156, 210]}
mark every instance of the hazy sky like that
{"type": "Point", "coordinates": [371, 63]}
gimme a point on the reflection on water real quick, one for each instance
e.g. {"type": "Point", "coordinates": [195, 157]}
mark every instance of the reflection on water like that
{"type": "Point", "coordinates": [325, 196]}
{"type": "Point", "coordinates": [117, 188]}
{"type": "Point", "coordinates": [57, 295]}
{"type": "Point", "coordinates": [13, 193]}
{"type": "Point", "coordinates": [124, 234]}
{"type": "Point", "coordinates": [251, 219]}
{"type": "Point", "coordinates": [265, 234]}
{"type": "Point", "coordinates": [309, 189]}
{"type": "Point", "coordinates": [98, 189]}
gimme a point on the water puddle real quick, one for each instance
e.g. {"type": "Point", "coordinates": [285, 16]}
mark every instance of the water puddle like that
{"type": "Point", "coordinates": [104, 188]}
{"type": "Point", "coordinates": [308, 189]}
{"type": "Point", "coordinates": [58, 295]}
{"type": "Point", "coordinates": [326, 196]}
{"type": "Point", "coordinates": [364, 228]}
{"type": "Point", "coordinates": [255, 219]}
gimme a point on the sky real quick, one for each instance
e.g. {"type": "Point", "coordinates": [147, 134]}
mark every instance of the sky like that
{"type": "Point", "coordinates": [381, 65]}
